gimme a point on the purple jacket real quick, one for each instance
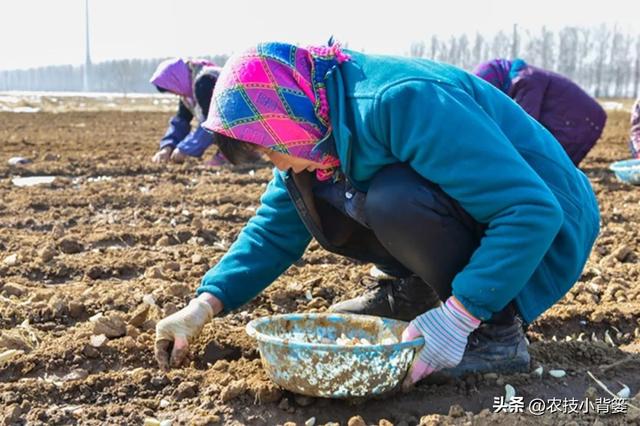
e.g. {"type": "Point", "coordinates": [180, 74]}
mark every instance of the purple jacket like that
{"type": "Point", "coordinates": [560, 105]}
{"type": "Point", "coordinates": [568, 112]}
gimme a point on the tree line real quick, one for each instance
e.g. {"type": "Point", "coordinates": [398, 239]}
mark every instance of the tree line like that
{"type": "Point", "coordinates": [604, 60]}
{"type": "Point", "coordinates": [120, 76]}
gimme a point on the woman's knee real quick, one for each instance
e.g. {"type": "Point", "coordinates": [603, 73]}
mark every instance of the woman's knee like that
{"type": "Point", "coordinates": [390, 193]}
{"type": "Point", "coordinates": [395, 194]}
{"type": "Point", "coordinates": [419, 225]}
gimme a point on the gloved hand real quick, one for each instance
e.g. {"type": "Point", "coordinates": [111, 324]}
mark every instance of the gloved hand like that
{"type": "Point", "coordinates": [163, 155]}
{"type": "Point", "coordinates": [178, 156]}
{"type": "Point", "coordinates": [180, 328]}
{"type": "Point", "coordinates": [445, 330]}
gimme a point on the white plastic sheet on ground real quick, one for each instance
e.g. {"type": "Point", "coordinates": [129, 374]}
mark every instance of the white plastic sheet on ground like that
{"type": "Point", "coordinates": [32, 180]}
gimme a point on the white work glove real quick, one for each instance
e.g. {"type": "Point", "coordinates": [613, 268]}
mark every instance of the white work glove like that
{"type": "Point", "coordinates": [163, 155]}
{"type": "Point", "coordinates": [175, 332]}
{"type": "Point", "coordinates": [445, 330]}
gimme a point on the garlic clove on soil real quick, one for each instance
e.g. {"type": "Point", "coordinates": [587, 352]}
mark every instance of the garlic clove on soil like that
{"type": "Point", "coordinates": [557, 373]}
{"type": "Point", "coordinates": [96, 317]}
{"type": "Point", "coordinates": [625, 392]}
{"type": "Point", "coordinates": [509, 392]}
{"type": "Point", "coordinates": [608, 339]}
{"type": "Point", "coordinates": [98, 340]}
{"type": "Point", "coordinates": [10, 354]}
{"type": "Point", "coordinates": [149, 300]}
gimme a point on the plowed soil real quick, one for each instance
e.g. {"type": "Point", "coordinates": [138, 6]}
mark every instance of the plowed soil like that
{"type": "Point", "coordinates": [79, 256]}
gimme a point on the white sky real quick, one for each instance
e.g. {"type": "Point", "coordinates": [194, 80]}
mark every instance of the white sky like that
{"type": "Point", "coordinates": [43, 32]}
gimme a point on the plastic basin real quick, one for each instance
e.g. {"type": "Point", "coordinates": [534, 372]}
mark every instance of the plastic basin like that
{"type": "Point", "coordinates": [627, 171]}
{"type": "Point", "coordinates": [300, 353]}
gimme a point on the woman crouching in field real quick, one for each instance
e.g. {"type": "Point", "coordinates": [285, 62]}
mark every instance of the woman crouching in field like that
{"type": "Point", "coordinates": [193, 81]}
{"type": "Point", "coordinates": [573, 117]}
{"type": "Point", "coordinates": [428, 172]}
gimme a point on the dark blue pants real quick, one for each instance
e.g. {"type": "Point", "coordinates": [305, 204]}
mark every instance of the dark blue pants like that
{"type": "Point", "coordinates": [426, 232]}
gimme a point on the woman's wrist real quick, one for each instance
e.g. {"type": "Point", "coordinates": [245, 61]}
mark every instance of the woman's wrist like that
{"type": "Point", "coordinates": [462, 309]}
{"type": "Point", "coordinates": [214, 302]}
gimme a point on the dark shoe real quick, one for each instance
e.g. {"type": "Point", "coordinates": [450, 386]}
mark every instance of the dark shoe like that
{"type": "Point", "coordinates": [494, 348]}
{"type": "Point", "coordinates": [396, 298]}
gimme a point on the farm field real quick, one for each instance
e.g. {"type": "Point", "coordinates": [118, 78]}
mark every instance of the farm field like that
{"type": "Point", "coordinates": [116, 242]}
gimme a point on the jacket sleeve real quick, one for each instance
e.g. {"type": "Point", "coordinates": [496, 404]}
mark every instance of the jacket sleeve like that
{"type": "Point", "coordinates": [528, 90]}
{"type": "Point", "coordinates": [635, 130]}
{"type": "Point", "coordinates": [271, 241]}
{"type": "Point", "coordinates": [449, 139]}
{"type": "Point", "coordinates": [196, 142]}
{"type": "Point", "coordinates": [179, 127]}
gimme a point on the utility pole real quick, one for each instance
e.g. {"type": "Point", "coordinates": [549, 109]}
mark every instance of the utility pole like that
{"type": "Point", "coordinates": [87, 58]}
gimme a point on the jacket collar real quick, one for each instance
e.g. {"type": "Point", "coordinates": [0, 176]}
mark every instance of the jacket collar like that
{"type": "Point", "coordinates": [340, 132]}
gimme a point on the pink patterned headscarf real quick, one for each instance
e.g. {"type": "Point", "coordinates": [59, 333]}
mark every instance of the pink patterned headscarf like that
{"type": "Point", "coordinates": [495, 72]}
{"type": "Point", "coordinates": [500, 72]}
{"type": "Point", "coordinates": [176, 75]}
{"type": "Point", "coordinates": [274, 95]}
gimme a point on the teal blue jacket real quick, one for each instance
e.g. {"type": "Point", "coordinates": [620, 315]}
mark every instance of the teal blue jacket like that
{"type": "Point", "coordinates": [460, 132]}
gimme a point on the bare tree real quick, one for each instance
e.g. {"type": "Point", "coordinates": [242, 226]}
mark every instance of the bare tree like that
{"type": "Point", "coordinates": [515, 42]}
{"type": "Point", "coordinates": [434, 46]}
{"type": "Point", "coordinates": [479, 49]}
{"type": "Point", "coordinates": [568, 52]}
{"type": "Point", "coordinates": [501, 45]}
{"type": "Point", "coordinates": [585, 51]}
{"type": "Point", "coordinates": [624, 67]}
{"type": "Point", "coordinates": [452, 51]}
{"type": "Point", "coordinates": [602, 37]}
{"type": "Point", "coordinates": [417, 49]}
{"type": "Point", "coordinates": [464, 55]}
{"type": "Point", "coordinates": [547, 45]}
{"type": "Point", "coordinates": [611, 78]}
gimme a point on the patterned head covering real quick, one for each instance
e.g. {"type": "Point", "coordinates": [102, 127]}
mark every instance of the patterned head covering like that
{"type": "Point", "coordinates": [274, 95]}
{"type": "Point", "coordinates": [495, 72]}
{"type": "Point", "coordinates": [176, 75]}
